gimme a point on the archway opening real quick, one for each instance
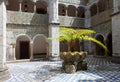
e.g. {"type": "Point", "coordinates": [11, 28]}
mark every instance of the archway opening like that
{"type": "Point", "coordinates": [102, 5]}
{"type": "Point", "coordinates": [64, 46]}
{"type": "Point", "coordinates": [98, 49]}
{"type": "Point", "coordinates": [13, 5]}
{"type": "Point", "coordinates": [71, 11]}
{"type": "Point", "coordinates": [62, 10]}
{"type": "Point", "coordinates": [23, 47]}
{"type": "Point", "coordinates": [39, 47]}
{"type": "Point", "coordinates": [27, 6]}
{"type": "Point", "coordinates": [109, 44]}
{"type": "Point", "coordinates": [93, 9]}
{"type": "Point", "coordinates": [81, 12]}
{"type": "Point", "coordinates": [41, 7]}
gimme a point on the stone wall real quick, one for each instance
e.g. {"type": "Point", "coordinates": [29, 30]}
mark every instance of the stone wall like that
{"type": "Point", "coordinates": [13, 31]}
{"type": "Point", "coordinates": [26, 18]}
{"type": "Point", "coordinates": [116, 34]}
{"type": "Point", "coordinates": [101, 17]}
{"type": "Point", "coordinates": [71, 21]}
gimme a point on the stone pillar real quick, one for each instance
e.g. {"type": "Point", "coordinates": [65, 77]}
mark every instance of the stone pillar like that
{"type": "Point", "coordinates": [116, 5]}
{"type": "Point", "coordinates": [31, 51]}
{"type": "Point", "coordinates": [53, 11]}
{"type": "Point", "coordinates": [53, 30]}
{"type": "Point", "coordinates": [13, 51]}
{"type": "Point", "coordinates": [35, 8]}
{"type": "Point", "coordinates": [20, 5]}
{"type": "Point", "coordinates": [3, 69]}
{"type": "Point", "coordinates": [87, 18]}
{"type": "Point", "coordinates": [115, 33]}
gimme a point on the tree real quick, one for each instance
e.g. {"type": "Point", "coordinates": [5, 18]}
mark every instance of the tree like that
{"type": "Point", "coordinates": [71, 35]}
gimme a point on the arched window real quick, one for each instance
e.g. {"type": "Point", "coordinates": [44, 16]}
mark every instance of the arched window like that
{"type": "Point", "coordinates": [62, 10]}
{"type": "Point", "coordinates": [27, 6]}
{"type": "Point", "coordinates": [41, 7]}
{"type": "Point", "coordinates": [93, 9]}
{"type": "Point", "coordinates": [13, 5]}
{"type": "Point", "coordinates": [71, 11]}
{"type": "Point", "coordinates": [81, 12]}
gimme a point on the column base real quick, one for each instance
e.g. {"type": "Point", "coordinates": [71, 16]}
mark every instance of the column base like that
{"type": "Point", "coordinates": [54, 58]}
{"type": "Point", "coordinates": [4, 74]}
{"type": "Point", "coordinates": [115, 60]}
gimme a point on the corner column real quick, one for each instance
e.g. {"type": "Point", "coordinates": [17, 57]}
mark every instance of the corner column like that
{"type": "Point", "coordinates": [4, 74]}
{"type": "Point", "coordinates": [53, 30]}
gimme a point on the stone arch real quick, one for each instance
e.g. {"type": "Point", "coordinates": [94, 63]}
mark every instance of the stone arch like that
{"type": "Point", "coordinates": [62, 9]}
{"type": "Point", "coordinates": [27, 6]}
{"type": "Point", "coordinates": [39, 46]}
{"type": "Point", "coordinates": [13, 5]}
{"type": "Point", "coordinates": [99, 50]}
{"type": "Point", "coordinates": [71, 10]}
{"type": "Point", "coordinates": [102, 5]}
{"type": "Point", "coordinates": [41, 7]}
{"type": "Point", "coordinates": [93, 9]}
{"type": "Point", "coordinates": [109, 43]}
{"type": "Point", "coordinates": [23, 47]}
{"type": "Point", "coordinates": [81, 12]}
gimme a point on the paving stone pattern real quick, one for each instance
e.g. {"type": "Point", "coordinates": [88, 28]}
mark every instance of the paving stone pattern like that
{"type": "Point", "coordinates": [99, 70]}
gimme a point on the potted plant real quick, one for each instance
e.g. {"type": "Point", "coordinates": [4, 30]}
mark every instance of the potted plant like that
{"type": "Point", "coordinates": [73, 60]}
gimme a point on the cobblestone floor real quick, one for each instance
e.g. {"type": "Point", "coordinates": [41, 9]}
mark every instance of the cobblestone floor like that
{"type": "Point", "coordinates": [99, 70]}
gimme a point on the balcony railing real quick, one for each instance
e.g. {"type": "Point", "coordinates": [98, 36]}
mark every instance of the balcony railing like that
{"type": "Point", "coordinates": [16, 17]}
{"type": "Point", "coordinates": [71, 21]}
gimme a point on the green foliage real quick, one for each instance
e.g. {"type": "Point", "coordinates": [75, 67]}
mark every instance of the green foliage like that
{"type": "Point", "coordinates": [70, 35]}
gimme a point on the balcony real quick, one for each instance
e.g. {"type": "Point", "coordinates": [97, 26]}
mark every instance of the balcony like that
{"type": "Point", "coordinates": [14, 17]}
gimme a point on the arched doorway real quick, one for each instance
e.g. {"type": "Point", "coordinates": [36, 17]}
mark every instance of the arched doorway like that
{"type": "Point", "coordinates": [39, 46]}
{"type": "Point", "coordinates": [23, 47]}
{"type": "Point", "coordinates": [98, 49]}
{"type": "Point", "coordinates": [109, 44]}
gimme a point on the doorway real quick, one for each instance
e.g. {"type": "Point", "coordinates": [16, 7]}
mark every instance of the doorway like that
{"type": "Point", "coordinates": [24, 50]}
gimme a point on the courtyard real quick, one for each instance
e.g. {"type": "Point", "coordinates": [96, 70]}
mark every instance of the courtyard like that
{"type": "Point", "coordinates": [100, 69]}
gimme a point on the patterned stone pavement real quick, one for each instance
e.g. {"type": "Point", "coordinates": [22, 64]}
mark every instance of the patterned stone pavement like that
{"type": "Point", "coordinates": [99, 70]}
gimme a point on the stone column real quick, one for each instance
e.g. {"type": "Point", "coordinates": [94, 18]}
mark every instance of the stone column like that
{"type": "Point", "coordinates": [20, 5]}
{"type": "Point", "coordinates": [116, 5]}
{"type": "Point", "coordinates": [31, 51]}
{"type": "Point", "coordinates": [115, 33]}
{"type": "Point", "coordinates": [3, 69]}
{"type": "Point", "coordinates": [53, 30]}
{"type": "Point", "coordinates": [34, 7]}
{"type": "Point", "coordinates": [87, 18]}
{"type": "Point", "coordinates": [13, 51]}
